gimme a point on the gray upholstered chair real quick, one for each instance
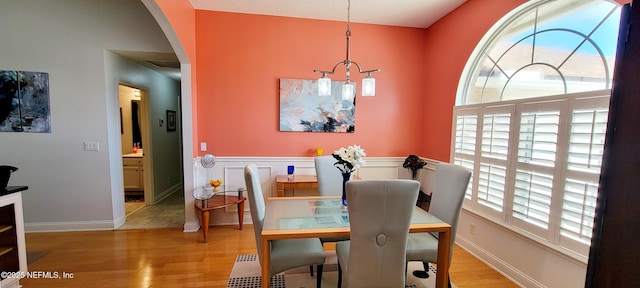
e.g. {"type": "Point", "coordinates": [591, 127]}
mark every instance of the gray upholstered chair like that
{"type": "Point", "coordinates": [329, 184]}
{"type": "Point", "coordinates": [379, 216]}
{"type": "Point", "coordinates": [329, 177]}
{"type": "Point", "coordinates": [285, 254]}
{"type": "Point", "coordinates": [446, 203]}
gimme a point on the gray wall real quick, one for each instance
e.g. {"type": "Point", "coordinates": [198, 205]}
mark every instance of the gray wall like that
{"type": "Point", "coordinates": [70, 188]}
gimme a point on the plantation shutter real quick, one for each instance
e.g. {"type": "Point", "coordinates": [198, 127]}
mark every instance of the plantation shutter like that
{"type": "Point", "coordinates": [492, 178]}
{"type": "Point", "coordinates": [586, 139]}
{"type": "Point", "coordinates": [491, 185]}
{"type": "Point", "coordinates": [469, 165]}
{"type": "Point", "coordinates": [537, 144]}
{"type": "Point", "coordinates": [584, 161]}
{"type": "Point", "coordinates": [465, 142]}
{"type": "Point", "coordinates": [466, 129]}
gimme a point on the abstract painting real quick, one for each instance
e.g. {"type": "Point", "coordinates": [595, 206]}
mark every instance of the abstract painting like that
{"type": "Point", "coordinates": [24, 102]}
{"type": "Point", "coordinates": [301, 109]}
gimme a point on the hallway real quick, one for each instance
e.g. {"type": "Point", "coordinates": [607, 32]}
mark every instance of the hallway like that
{"type": "Point", "coordinates": [168, 213]}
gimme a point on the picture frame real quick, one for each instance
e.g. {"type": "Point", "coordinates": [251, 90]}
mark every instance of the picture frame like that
{"type": "Point", "coordinates": [303, 110]}
{"type": "Point", "coordinates": [25, 102]}
{"type": "Point", "coordinates": [171, 120]}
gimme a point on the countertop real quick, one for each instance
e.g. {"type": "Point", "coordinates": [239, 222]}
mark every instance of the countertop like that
{"type": "Point", "coordinates": [12, 189]}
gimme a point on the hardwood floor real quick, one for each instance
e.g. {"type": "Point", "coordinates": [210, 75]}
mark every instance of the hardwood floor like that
{"type": "Point", "coordinates": [167, 257]}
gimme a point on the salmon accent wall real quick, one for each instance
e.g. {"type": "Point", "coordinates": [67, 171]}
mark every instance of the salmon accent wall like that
{"type": "Point", "coordinates": [450, 42]}
{"type": "Point", "coordinates": [181, 15]}
{"type": "Point", "coordinates": [241, 58]}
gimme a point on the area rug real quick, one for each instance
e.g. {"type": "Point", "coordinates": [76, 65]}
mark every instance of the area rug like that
{"type": "Point", "coordinates": [246, 274]}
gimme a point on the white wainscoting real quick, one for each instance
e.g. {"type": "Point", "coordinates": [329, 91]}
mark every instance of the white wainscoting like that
{"type": "Point", "coordinates": [526, 262]}
{"type": "Point", "coordinates": [231, 171]}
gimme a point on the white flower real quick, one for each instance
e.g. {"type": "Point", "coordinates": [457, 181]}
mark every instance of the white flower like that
{"type": "Point", "coordinates": [349, 158]}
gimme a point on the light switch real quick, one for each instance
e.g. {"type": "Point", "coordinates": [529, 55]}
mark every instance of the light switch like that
{"type": "Point", "coordinates": [203, 146]}
{"type": "Point", "coordinates": [91, 146]}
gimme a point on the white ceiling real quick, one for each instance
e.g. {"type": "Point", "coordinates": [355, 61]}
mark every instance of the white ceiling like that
{"type": "Point", "coordinates": [406, 13]}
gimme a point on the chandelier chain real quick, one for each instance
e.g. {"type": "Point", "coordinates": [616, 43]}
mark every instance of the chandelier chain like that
{"type": "Point", "coordinates": [349, 17]}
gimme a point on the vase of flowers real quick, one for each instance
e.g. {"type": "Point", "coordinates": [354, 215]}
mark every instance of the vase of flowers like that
{"type": "Point", "coordinates": [348, 160]}
{"type": "Point", "coordinates": [414, 164]}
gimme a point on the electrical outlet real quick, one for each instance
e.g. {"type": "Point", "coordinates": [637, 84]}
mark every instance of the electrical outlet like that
{"type": "Point", "coordinates": [203, 146]}
{"type": "Point", "coordinates": [472, 229]}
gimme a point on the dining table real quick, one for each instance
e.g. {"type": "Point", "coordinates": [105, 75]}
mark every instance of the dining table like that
{"type": "Point", "coordinates": [323, 216]}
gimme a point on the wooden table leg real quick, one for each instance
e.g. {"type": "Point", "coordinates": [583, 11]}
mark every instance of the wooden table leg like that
{"type": "Point", "coordinates": [240, 214]}
{"type": "Point", "coordinates": [205, 225]}
{"type": "Point", "coordinates": [444, 246]}
{"type": "Point", "coordinates": [266, 256]}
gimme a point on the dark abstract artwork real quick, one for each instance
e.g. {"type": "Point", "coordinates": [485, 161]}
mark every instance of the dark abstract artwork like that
{"type": "Point", "coordinates": [24, 102]}
{"type": "Point", "coordinates": [301, 109]}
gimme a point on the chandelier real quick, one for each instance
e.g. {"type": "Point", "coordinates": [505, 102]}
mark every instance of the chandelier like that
{"type": "Point", "coordinates": [348, 89]}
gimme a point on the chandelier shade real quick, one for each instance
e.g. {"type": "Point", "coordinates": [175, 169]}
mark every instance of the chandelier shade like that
{"type": "Point", "coordinates": [348, 89]}
{"type": "Point", "coordinates": [324, 86]}
{"type": "Point", "coordinates": [369, 86]}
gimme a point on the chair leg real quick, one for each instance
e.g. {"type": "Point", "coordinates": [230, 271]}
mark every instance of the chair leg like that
{"type": "Point", "coordinates": [319, 277]}
{"type": "Point", "coordinates": [339, 276]}
{"type": "Point", "coordinates": [311, 269]}
{"type": "Point", "coordinates": [425, 265]}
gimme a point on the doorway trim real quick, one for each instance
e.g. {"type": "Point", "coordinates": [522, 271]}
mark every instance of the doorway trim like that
{"type": "Point", "coordinates": [147, 160]}
{"type": "Point", "coordinates": [192, 223]}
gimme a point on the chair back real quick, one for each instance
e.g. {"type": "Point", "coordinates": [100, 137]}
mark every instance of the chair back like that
{"type": "Point", "coordinates": [329, 177]}
{"type": "Point", "coordinates": [256, 202]}
{"type": "Point", "coordinates": [448, 194]}
{"type": "Point", "coordinates": [379, 216]}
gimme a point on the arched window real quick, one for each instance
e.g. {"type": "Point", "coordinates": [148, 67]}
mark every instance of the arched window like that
{"type": "Point", "coordinates": [531, 116]}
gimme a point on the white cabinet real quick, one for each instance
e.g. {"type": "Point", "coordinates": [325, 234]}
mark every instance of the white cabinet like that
{"type": "Point", "coordinates": [133, 172]}
{"type": "Point", "coordinates": [13, 253]}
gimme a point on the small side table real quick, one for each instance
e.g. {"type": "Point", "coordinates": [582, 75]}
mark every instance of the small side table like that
{"type": "Point", "coordinates": [298, 182]}
{"type": "Point", "coordinates": [220, 200]}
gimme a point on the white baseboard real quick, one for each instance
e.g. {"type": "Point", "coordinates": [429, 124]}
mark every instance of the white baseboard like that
{"type": "Point", "coordinates": [518, 277]}
{"type": "Point", "coordinates": [192, 226]}
{"type": "Point", "coordinates": [69, 226]}
{"type": "Point", "coordinates": [195, 226]}
{"type": "Point", "coordinates": [166, 193]}
{"type": "Point", "coordinates": [120, 221]}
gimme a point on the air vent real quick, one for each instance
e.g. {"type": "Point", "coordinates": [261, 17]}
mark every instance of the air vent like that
{"type": "Point", "coordinates": [164, 64]}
